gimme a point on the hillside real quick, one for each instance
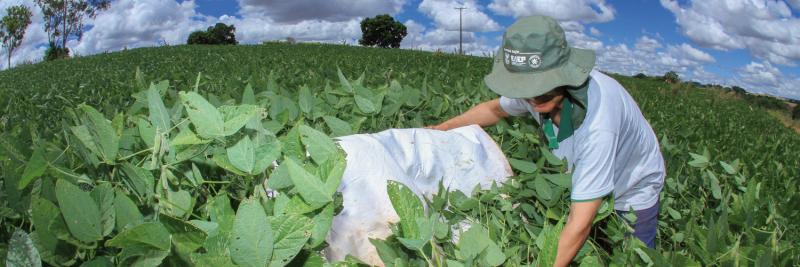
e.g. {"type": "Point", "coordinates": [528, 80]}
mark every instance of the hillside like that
{"type": "Point", "coordinates": [730, 195]}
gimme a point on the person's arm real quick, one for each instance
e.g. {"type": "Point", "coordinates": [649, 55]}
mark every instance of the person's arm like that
{"type": "Point", "coordinates": [484, 114]}
{"type": "Point", "coordinates": [579, 224]}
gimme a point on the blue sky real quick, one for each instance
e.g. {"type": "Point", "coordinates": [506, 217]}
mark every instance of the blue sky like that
{"type": "Point", "coordinates": [754, 44]}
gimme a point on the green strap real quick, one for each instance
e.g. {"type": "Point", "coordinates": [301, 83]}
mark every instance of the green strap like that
{"type": "Point", "coordinates": [564, 131]}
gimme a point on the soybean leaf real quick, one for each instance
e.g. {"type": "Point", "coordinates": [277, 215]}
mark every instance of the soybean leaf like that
{"type": "Point", "coordinates": [322, 224]}
{"type": "Point", "coordinates": [21, 251]}
{"type": "Point", "coordinates": [523, 165]}
{"type": "Point", "coordinates": [473, 242]}
{"type": "Point", "coordinates": [543, 188]}
{"type": "Point", "coordinates": [338, 127]}
{"type": "Point", "coordinates": [158, 112]}
{"type": "Point", "coordinates": [139, 180]}
{"type": "Point", "coordinates": [152, 235]}
{"type": "Point", "coordinates": [364, 104]}
{"type": "Point", "coordinates": [236, 117]}
{"type": "Point", "coordinates": [291, 233]}
{"type": "Point", "coordinates": [550, 157]}
{"type": "Point", "coordinates": [186, 237]}
{"type": "Point", "coordinates": [319, 145]}
{"type": "Point", "coordinates": [547, 241]}
{"type": "Point", "coordinates": [102, 134]}
{"type": "Point", "coordinates": [248, 97]}
{"type": "Point", "coordinates": [35, 167]}
{"type": "Point", "coordinates": [408, 207]}
{"type": "Point", "coordinates": [205, 117]}
{"type": "Point", "coordinates": [103, 195]}
{"type": "Point", "coordinates": [252, 236]}
{"type": "Point", "coordinates": [305, 99]}
{"type": "Point", "coordinates": [279, 179]}
{"type": "Point", "coordinates": [80, 212]}
{"type": "Point", "coordinates": [309, 186]}
{"type": "Point", "coordinates": [126, 212]}
{"type": "Point", "coordinates": [242, 155]}
{"type": "Point", "coordinates": [493, 255]}
{"type": "Point", "coordinates": [343, 80]}
{"type": "Point", "coordinates": [265, 154]}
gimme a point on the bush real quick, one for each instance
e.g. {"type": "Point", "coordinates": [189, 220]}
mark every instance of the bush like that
{"type": "Point", "coordinates": [640, 76]}
{"type": "Point", "coordinates": [796, 113]}
{"type": "Point", "coordinates": [671, 77]}
{"type": "Point", "coordinates": [382, 31]}
{"type": "Point", "coordinates": [53, 52]}
{"type": "Point", "coordinates": [219, 34]}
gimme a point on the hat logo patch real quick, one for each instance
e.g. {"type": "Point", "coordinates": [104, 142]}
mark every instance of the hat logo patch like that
{"type": "Point", "coordinates": [516, 58]}
{"type": "Point", "coordinates": [535, 61]}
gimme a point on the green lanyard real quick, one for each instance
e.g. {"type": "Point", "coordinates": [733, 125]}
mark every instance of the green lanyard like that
{"type": "Point", "coordinates": [564, 131]}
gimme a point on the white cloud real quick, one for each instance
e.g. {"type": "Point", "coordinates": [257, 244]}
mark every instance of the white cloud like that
{"type": "Point", "coordinates": [446, 17]}
{"type": "Point", "coordinates": [138, 23]}
{"type": "Point", "coordinates": [256, 30]}
{"type": "Point", "coordinates": [295, 11]}
{"type": "Point", "coordinates": [564, 10]}
{"type": "Point", "coordinates": [762, 77]}
{"type": "Point", "coordinates": [691, 53]}
{"type": "Point", "coordinates": [647, 44]}
{"type": "Point", "coordinates": [594, 31]}
{"type": "Point", "coordinates": [651, 57]}
{"type": "Point", "coordinates": [766, 28]}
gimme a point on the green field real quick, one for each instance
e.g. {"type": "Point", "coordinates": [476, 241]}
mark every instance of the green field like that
{"type": "Point", "coordinates": [100, 160]}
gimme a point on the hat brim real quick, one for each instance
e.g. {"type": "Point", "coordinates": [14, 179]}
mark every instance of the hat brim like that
{"type": "Point", "coordinates": [525, 85]}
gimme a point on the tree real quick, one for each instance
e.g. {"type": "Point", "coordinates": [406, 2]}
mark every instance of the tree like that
{"type": "Point", "coordinates": [12, 28]}
{"type": "Point", "coordinates": [64, 19]}
{"type": "Point", "coordinates": [796, 113]}
{"type": "Point", "coordinates": [382, 31]}
{"type": "Point", "coordinates": [217, 34]}
{"type": "Point", "coordinates": [671, 77]}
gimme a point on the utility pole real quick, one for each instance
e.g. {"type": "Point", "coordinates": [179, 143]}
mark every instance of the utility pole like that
{"type": "Point", "coordinates": [460, 32]}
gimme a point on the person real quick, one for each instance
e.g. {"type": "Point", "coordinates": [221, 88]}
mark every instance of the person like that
{"type": "Point", "coordinates": [587, 117]}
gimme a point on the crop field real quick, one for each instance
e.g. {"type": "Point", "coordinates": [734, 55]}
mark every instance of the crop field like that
{"type": "Point", "coordinates": [223, 156]}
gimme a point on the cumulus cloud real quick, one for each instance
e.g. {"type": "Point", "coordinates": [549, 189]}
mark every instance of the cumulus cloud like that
{"type": "Point", "coordinates": [564, 10]}
{"type": "Point", "coordinates": [767, 29]}
{"type": "Point", "coordinates": [282, 11]}
{"type": "Point", "coordinates": [258, 29]}
{"type": "Point", "coordinates": [651, 57]}
{"type": "Point", "coordinates": [763, 77]}
{"type": "Point", "coordinates": [446, 17]}
{"type": "Point", "coordinates": [138, 23]}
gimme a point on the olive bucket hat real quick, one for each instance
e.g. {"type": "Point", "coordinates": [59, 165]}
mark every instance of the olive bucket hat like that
{"type": "Point", "coordinates": [534, 59]}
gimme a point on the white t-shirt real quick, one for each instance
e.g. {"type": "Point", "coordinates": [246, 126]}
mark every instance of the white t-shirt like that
{"type": "Point", "coordinates": [613, 150]}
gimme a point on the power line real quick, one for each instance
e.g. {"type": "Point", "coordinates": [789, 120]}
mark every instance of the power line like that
{"type": "Point", "coordinates": [460, 32]}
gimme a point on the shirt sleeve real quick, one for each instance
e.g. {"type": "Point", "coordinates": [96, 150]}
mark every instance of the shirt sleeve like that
{"type": "Point", "coordinates": [513, 106]}
{"type": "Point", "coordinates": [593, 176]}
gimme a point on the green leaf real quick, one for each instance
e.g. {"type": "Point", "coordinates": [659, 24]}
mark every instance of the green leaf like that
{"type": "Point", "coordinates": [101, 131]}
{"type": "Point", "coordinates": [139, 180]}
{"type": "Point", "coordinates": [104, 261]}
{"type": "Point", "coordinates": [151, 235]}
{"type": "Point", "coordinates": [727, 167]}
{"type": "Point", "coordinates": [141, 256]}
{"type": "Point", "coordinates": [338, 127]}
{"type": "Point", "coordinates": [543, 188]}
{"type": "Point", "coordinates": [127, 214]}
{"type": "Point", "coordinates": [252, 236]}
{"type": "Point", "coordinates": [236, 117]}
{"type": "Point", "coordinates": [103, 196]}
{"type": "Point", "coordinates": [185, 138]}
{"type": "Point", "coordinates": [158, 112]}
{"type": "Point", "coordinates": [291, 233]}
{"type": "Point", "coordinates": [365, 105]}
{"type": "Point", "coordinates": [221, 159]}
{"type": "Point", "coordinates": [408, 207]}
{"type": "Point", "coordinates": [21, 251]}
{"type": "Point", "coordinates": [242, 155]}
{"type": "Point", "coordinates": [80, 212]}
{"type": "Point", "coordinates": [279, 179]}
{"type": "Point", "coordinates": [186, 237]}
{"type": "Point", "coordinates": [523, 165]}
{"type": "Point", "coordinates": [550, 157]}
{"type": "Point", "coordinates": [561, 179]}
{"type": "Point", "coordinates": [674, 213]}
{"type": "Point", "coordinates": [266, 153]}
{"type": "Point", "coordinates": [35, 167]}
{"type": "Point", "coordinates": [206, 118]}
{"type": "Point", "coordinates": [473, 242]}
{"type": "Point", "coordinates": [305, 100]}
{"type": "Point", "coordinates": [699, 161]}
{"type": "Point", "coordinates": [322, 225]}
{"type": "Point", "coordinates": [716, 190]}
{"type": "Point", "coordinates": [493, 255]}
{"type": "Point", "coordinates": [146, 132]}
{"type": "Point", "coordinates": [343, 80]}
{"type": "Point", "coordinates": [309, 186]}
{"type": "Point", "coordinates": [547, 241]}
{"type": "Point", "coordinates": [248, 97]}
{"type": "Point", "coordinates": [319, 145]}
